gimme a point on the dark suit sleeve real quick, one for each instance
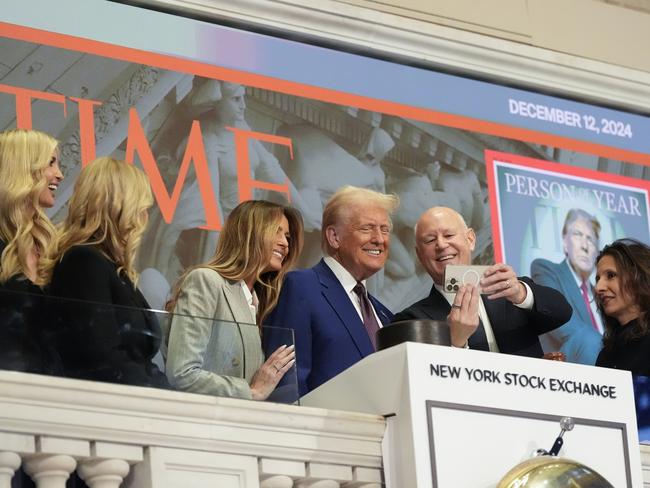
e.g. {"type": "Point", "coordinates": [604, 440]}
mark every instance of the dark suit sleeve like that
{"type": "Point", "coordinates": [93, 342]}
{"type": "Point", "coordinates": [406, 314]}
{"type": "Point", "coordinates": [550, 310]}
{"type": "Point", "coordinates": [292, 311]}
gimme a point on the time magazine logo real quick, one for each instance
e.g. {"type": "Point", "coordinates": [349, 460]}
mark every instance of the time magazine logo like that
{"type": "Point", "coordinates": [137, 143]}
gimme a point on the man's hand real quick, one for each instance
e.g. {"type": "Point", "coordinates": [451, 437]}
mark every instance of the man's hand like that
{"type": "Point", "coordinates": [463, 317]}
{"type": "Point", "coordinates": [500, 281]}
{"type": "Point", "coordinates": [555, 356]}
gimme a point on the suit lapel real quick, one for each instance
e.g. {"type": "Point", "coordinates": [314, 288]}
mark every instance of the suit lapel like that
{"type": "Point", "coordinates": [437, 307]}
{"type": "Point", "coordinates": [382, 312]}
{"type": "Point", "coordinates": [574, 294]}
{"type": "Point", "coordinates": [237, 303]}
{"type": "Point", "coordinates": [342, 306]}
{"type": "Point", "coordinates": [495, 311]}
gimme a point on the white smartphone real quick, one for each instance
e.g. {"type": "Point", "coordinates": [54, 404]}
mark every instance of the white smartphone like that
{"type": "Point", "coordinates": [457, 275]}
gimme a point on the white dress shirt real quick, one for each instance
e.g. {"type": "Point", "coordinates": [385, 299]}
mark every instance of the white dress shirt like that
{"type": "Point", "coordinates": [251, 299]}
{"type": "Point", "coordinates": [590, 295]}
{"type": "Point", "coordinates": [348, 282]}
{"type": "Point", "coordinates": [527, 304]}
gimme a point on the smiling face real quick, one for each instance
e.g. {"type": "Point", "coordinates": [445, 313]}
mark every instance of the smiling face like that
{"type": "Point", "coordinates": [53, 176]}
{"type": "Point", "coordinates": [581, 246]}
{"type": "Point", "coordinates": [280, 246]}
{"type": "Point", "coordinates": [614, 299]}
{"type": "Point", "coordinates": [360, 242]}
{"type": "Point", "coordinates": [442, 238]}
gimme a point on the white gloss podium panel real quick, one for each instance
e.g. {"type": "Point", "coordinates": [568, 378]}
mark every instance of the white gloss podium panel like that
{"type": "Point", "coordinates": [458, 418]}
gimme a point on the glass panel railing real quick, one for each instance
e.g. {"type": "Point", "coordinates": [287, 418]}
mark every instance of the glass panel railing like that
{"type": "Point", "coordinates": [221, 358]}
{"type": "Point", "coordinates": [141, 347]}
{"type": "Point", "coordinates": [278, 339]}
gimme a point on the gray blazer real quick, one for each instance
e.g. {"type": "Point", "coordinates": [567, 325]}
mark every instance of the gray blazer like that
{"type": "Point", "coordinates": [207, 352]}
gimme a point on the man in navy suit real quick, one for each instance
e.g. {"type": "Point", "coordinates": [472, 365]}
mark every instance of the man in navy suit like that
{"type": "Point", "coordinates": [580, 338]}
{"type": "Point", "coordinates": [511, 313]}
{"type": "Point", "coordinates": [333, 317]}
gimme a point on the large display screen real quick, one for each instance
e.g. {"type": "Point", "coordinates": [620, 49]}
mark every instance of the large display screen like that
{"type": "Point", "coordinates": [216, 115]}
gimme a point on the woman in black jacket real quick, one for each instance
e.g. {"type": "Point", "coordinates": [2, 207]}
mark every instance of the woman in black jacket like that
{"type": "Point", "coordinates": [623, 294]}
{"type": "Point", "coordinates": [29, 178]}
{"type": "Point", "coordinates": [107, 335]}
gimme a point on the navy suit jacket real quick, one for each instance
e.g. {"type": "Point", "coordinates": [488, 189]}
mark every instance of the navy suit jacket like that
{"type": "Point", "coordinates": [329, 334]}
{"type": "Point", "coordinates": [516, 330]}
{"type": "Point", "coordinates": [577, 338]}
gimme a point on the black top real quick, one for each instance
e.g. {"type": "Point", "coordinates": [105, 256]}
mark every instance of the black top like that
{"type": "Point", "coordinates": [626, 353]}
{"type": "Point", "coordinates": [106, 335]}
{"type": "Point", "coordinates": [23, 344]}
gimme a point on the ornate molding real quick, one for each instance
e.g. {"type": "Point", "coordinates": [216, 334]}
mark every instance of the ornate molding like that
{"type": "Point", "coordinates": [111, 111]}
{"type": "Point", "coordinates": [435, 46]}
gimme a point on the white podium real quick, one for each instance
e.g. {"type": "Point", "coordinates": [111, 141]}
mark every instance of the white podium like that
{"type": "Point", "coordinates": [458, 418]}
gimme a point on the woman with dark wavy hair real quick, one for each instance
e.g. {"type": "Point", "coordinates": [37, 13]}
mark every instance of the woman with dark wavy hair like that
{"type": "Point", "coordinates": [623, 294]}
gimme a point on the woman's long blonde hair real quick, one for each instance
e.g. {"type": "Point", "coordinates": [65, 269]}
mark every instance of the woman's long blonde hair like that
{"type": "Point", "coordinates": [244, 250]}
{"type": "Point", "coordinates": [24, 227]}
{"type": "Point", "coordinates": [108, 209]}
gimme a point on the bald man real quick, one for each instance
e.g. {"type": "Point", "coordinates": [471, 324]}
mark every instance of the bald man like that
{"type": "Point", "coordinates": [511, 313]}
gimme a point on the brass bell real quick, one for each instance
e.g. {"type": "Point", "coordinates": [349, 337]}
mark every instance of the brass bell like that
{"type": "Point", "coordinates": [552, 472]}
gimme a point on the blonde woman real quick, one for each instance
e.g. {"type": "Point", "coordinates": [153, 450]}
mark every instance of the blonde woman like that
{"type": "Point", "coordinates": [210, 349]}
{"type": "Point", "coordinates": [29, 177]}
{"type": "Point", "coordinates": [99, 240]}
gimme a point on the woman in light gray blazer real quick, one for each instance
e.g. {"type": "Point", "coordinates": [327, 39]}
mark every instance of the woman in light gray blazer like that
{"type": "Point", "coordinates": [213, 341]}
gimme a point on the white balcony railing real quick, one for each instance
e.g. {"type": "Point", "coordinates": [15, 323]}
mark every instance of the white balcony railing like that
{"type": "Point", "coordinates": [115, 435]}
